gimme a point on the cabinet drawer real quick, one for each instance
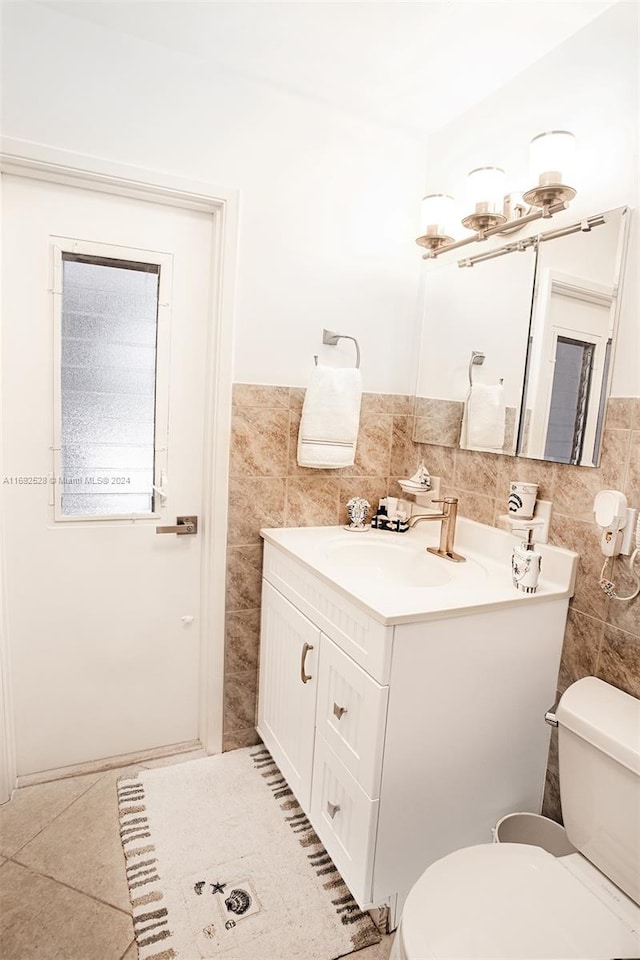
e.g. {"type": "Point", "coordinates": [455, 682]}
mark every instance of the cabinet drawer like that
{"type": "Point", "coordinates": [366, 640]}
{"type": "Point", "coordinates": [345, 819]}
{"type": "Point", "coordinates": [352, 712]}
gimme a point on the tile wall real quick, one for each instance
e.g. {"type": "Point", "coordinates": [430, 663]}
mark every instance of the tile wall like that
{"type": "Point", "coordinates": [268, 488]}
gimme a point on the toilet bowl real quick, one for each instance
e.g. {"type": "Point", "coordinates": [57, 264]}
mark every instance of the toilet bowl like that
{"type": "Point", "coordinates": [511, 901]}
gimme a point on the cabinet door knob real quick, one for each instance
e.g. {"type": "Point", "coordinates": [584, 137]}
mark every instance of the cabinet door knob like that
{"type": "Point", "coordinates": [332, 809]}
{"type": "Point", "coordinates": [305, 677]}
{"type": "Point", "coordinates": [338, 711]}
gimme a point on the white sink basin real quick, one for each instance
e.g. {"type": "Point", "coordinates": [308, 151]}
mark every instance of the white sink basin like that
{"type": "Point", "coordinates": [388, 562]}
{"type": "Point", "coordinates": [394, 579]}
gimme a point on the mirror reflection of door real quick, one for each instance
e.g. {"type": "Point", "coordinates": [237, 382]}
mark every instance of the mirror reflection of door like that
{"type": "Point", "coordinates": [572, 328]}
{"type": "Point", "coordinates": [569, 406]}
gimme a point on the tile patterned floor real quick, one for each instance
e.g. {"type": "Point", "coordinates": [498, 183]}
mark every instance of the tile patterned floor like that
{"type": "Point", "coordinates": [63, 894]}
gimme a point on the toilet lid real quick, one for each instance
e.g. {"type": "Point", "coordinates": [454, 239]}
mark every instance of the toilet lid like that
{"type": "Point", "coordinates": [510, 901]}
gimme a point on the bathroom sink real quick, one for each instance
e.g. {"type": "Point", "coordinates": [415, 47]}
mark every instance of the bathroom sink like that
{"type": "Point", "coordinates": [393, 578]}
{"type": "Point", "coordinates": [387, 561]}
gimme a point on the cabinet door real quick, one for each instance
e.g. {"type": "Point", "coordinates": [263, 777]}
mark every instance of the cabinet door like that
{"type": "Point", "coordinates": [289, 652]}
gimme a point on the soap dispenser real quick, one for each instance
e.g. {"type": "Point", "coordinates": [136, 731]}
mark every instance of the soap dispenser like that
{"type": "Point", "coordinates": [525, 565]}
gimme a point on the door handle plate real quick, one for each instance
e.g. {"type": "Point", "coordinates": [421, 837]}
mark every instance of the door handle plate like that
{"type": "Point", "coordinates": [183, 526]}
{"type": "Point", "coordinates": [338, 711]}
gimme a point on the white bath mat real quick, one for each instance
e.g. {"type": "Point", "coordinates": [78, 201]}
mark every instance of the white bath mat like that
{"type": "Point", "coordinates": [222, 863]}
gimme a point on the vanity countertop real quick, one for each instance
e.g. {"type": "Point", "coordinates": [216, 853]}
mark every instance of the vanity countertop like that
{"type": "Point", "coordinates": [393, 578]}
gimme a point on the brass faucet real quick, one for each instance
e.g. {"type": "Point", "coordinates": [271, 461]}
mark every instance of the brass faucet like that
{"type": "Point", "coordinates": [447, 530]}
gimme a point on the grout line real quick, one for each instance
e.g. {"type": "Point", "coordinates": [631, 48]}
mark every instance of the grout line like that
{"type": "Point", "coordinates": [68, 886]}
{"type": "Point", "coordinates": [128, 948]}
{"type": "Point", "coordinates": [59, 814]}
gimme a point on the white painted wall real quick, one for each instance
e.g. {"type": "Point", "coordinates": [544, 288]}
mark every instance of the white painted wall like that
{"type": "Point", "coordinates": [588, 85]}
{"type": "Point", "coordinates": [329, 202]}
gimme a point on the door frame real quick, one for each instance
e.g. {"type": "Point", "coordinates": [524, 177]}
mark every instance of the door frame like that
{"type": "Point", "coordinates": [37, 161]}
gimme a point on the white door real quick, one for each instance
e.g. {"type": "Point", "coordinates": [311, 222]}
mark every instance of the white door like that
{"type": "Point", "coordinates": [105, 305]}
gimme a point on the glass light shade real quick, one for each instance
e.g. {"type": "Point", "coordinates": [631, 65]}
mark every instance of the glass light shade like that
{"type": "Point", "coordinates": [437, 215]}
{"type": "Point", "coordinates": [551, 158]}
{"type": "Point", "coordinates": [486, 190]}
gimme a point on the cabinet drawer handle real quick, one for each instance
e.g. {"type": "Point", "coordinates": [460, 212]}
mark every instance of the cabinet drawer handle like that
{"type": "Point", "coordinates": [305, 677]}
{"type": "Point", "coordinates": [332, 809]}
{"type": "Point", "coordinates": [338, 711]}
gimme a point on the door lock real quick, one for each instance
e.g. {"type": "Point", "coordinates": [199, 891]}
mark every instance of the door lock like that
{"type": "Point", "coordinates": [183, 526]}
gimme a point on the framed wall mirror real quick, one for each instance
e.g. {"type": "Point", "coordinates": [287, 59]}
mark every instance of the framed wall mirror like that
{"type": "Point", "coordinates": [538, 317]}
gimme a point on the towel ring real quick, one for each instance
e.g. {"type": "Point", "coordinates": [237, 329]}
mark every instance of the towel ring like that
{"type": "Point", "coordinates": [477, 359]}
{"type": "Point", "coordinates": [331, 338]}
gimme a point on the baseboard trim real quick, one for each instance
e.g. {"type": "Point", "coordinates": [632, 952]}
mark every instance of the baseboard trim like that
{"type": "Point", "coordinates": [108, 763]}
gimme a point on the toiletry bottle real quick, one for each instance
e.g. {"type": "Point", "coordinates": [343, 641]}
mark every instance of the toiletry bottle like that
{"type": "Point", "coordinates": [525, 565]}
{"type": "Point", "coordinates": [380, 520]}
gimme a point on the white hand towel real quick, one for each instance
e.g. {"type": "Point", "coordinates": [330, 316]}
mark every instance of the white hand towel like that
{"type": "Point", "coordinates": [330, 418]}
{"type": "Point", "coordinates": [484, 418]}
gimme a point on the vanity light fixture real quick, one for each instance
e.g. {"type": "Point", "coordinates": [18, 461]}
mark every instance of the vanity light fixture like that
{"type": "Point", "coordinates": [492, 210]}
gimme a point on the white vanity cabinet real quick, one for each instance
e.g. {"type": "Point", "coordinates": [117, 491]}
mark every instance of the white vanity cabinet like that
{"type": "Point", "coordinates": [405, 741]}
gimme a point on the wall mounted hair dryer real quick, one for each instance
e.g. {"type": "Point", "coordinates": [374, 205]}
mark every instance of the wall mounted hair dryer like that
{"type": "Point", "coordinates": [610, 508]}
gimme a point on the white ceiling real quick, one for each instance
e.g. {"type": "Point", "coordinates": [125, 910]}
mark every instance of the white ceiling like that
{"type": "Point", "coordinates": [415, 65]}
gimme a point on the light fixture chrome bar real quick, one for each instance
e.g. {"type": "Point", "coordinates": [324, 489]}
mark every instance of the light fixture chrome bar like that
{"type": "Point", "coordinates": [499, 252]}
{"type": "Point", "coordinates": [584, 226]}
{"type": "Point", "coordinates": [544, 213]}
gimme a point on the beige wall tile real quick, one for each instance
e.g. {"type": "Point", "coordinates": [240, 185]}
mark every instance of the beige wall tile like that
{"type": "Point", "coordinates": [402, 458]}
{"type": "Point", "coordinates": [259, 442]}
{"type": "Point", "coordinates": [581, 649]}
{"type": "Point", "coordinates": [377, 404]}
{"type": "Point", "coordinates": [623, 413]}
{"type": "Point", "coordinates": [244, 577]}
{"type": "Point", "coordinates": [259, 395]}
{"type": "Point", "coordinates": [632, 483]}
{"type": "Point", "coordinates": [312, 501]}
{"type": "Point", "coordinates": [373, 450]}
{"type": "Point", "coordinates": [619, 662]}
{"type": "Point", "coordinates": [476, 472]}
{"type": "Point", "coordinates": [439, 461]}
{"type": "Point", "coordinates": [576, 487]}
{"type": "Point", "coordinates": [236, 739]}
{"type": "Point", "coordinates": [254, 502]}
{"type": "Point", "coordinates": [475, 506]}
{"type": "Point", "coordinates": [240, 700]}
{"type": "Point", "coordinates": [584, 538]}
{"type": "Point", "coordinates": [242, 641]}
{"type": "Point", "coordinates": [403, 405]}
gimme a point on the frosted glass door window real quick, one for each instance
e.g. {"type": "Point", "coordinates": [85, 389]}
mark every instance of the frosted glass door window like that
{"type": "Point", "coordinates": [108, 385]}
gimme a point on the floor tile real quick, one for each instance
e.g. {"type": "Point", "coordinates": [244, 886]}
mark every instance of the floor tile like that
{"type": "Point", "coordinates": [43, 920]}
{"type": "Point", "coordinates": [82, 846]}
{"type": "Point", "coordinates": [32, 808]}
{"type": "Point", "coordinates": [132, 953]}
{"type": "Point", "coordinates": [379, 951]}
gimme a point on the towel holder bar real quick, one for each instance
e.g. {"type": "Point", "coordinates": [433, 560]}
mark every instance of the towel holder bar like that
{"type": "Point", "coordinates": [331, 338]}
{"type": "Point", "coordinates": [477, 359]}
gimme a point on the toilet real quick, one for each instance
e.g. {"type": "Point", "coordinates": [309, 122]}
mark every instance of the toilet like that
{"type": "Point", "coordinates": [511, 901]}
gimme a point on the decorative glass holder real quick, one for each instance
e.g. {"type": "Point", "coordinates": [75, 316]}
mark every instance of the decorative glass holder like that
{"type": "Point", "coordinates": [357, 509]}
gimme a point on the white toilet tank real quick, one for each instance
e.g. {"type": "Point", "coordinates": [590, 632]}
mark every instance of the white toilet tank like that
{"type": "Point", "coordinates": [599, 747]}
